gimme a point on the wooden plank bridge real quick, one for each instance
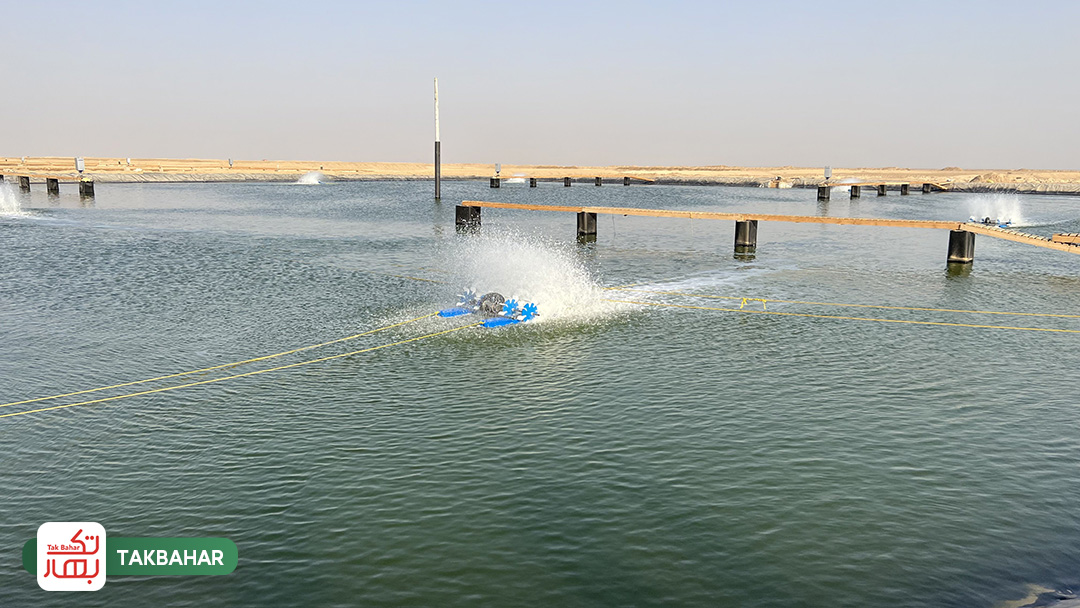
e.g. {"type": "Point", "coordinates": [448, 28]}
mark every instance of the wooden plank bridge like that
{"type": "Point", "coordinates": [824, 190]}
{"type": "Point", "coordinates": [961, 239]}
{"type": "Point", "coordinates": [496, 182]}
{"type": "Point", "coordinates": [52, 182]}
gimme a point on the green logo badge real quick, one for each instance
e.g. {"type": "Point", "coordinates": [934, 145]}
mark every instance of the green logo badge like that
{"type": "Point", "coordinates": [158, 556]}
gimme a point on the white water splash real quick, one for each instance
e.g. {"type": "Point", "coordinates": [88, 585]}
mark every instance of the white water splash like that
{"type": "Point", "coordinates": [706, 282]}
{"type": "Point", "coordinates": [529, 269]}
{"type": "Point", "coordinates": [997, 207]}
{"type": "Point", "coordinates": [311, 178]}
{"type": "Point", "coordinates": [843, 186]}
{"type": "Point", "coordinates": [9, 202]}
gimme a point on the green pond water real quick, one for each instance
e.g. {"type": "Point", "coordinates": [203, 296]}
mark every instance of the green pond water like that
{"type": "Point", "coordinates": [610, 454]}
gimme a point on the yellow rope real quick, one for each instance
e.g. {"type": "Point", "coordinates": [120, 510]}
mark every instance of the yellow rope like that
{"type": "Point", "coordinates": [798, 314]}
{"type": "Point", "coordinates": [208, 369]}
{"type": "Point", "coordinates": [252, 373]}
{"type": "Point", "coordinates": [743, 302]}
{"type": "Point", "coordinates": [982, 312]}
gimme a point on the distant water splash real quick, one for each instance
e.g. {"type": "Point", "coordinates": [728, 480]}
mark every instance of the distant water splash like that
{"type": "Point", "coordinates": [531, 270]}
{"type": "Point", "coordinates": [998, 207]}
{"type": "Point", "coordinates": [844, 185]}
{"type": "Point", "coordinates": [311, 178]}
{"type": "Point", "coordinates": [9, 202]}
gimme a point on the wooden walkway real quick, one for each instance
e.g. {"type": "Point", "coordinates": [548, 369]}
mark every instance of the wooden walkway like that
{"type": "Point", "coordinates": [46, 176]}
{"type": "Point", "coordinates": [1001, 233]}
{"type": "Point", "coordinates": [1020, 237]}
{"type": "Point", "coordinates": [52, 182]}
{"type": "Point", "coordinates": [938, 185]}
{"type": "Point", "coordinates": [712, 215]}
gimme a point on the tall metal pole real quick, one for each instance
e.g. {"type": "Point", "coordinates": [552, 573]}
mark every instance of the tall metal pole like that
{"type": "Point", "coordinates": [438, 152]}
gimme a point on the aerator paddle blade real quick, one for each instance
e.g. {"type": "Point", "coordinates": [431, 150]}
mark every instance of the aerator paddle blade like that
{"type": "Point", "coordinates": [529, 312]}
{"type": "Point", "coordinates": [510, 308]}
{"type": "Point", "coordinates": [467, 298]}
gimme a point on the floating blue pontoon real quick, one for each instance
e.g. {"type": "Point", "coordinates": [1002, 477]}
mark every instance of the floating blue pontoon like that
{"type": "Point", "coordinates": [989, 221]}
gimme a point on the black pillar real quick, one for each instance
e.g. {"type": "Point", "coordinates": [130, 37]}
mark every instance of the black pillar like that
{"type": "Point", "coordinates": [745, 236]}
{"type": "Point", "coordinates": [495, 182]}
{"type": "Point", "coordinates": [856, 191]}
{"type": "Point", "coordinates": [905, 189]}
{"type": "Point", "coordinates": [823, 193]}
{"type": "Point", "coordinates": [961, 247]}
{"type": "Point", "coordinates": [438, 171]}
{"type": "Point", "coordinates": [466, 219]}
{"type": "Point", "coordinates": [881, 190]}
{"type": "Point", "coordinates": [24, 183]}
{"type": "Point", "coordinates": [86, 188]}
{"type": "Point", "coordinates": [52, 185]}
{"type": "Point", "coordinates": [626, 181]}
{"type": "Point", "coordinates": [926, 189]}
{"type": "Point", "coordinates": [532, 182]}
{"type": "Point", "coordinates": [586, 226]}
{"type": "Point", "coordinates": [566, 182]}
{"type": "Point", "coordinates": [599, 181]}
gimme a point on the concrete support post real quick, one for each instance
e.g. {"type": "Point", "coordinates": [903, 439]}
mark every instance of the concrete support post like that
{"type": "Point", "coordinates": [599, 181]}
{"type": "Point", "coordinates": [745, 236]}
{"type": "Point", "coordinates": [905, 189]}
{"type": "Point", "coordinates": [586, 226]}
{"type": "Point", "coordinates": [495, 182]}
{"type": "Point", "coordinates": [823, 193]}
{"type": "Point", "coordinates": [881, 190]}
{"type": "Point", "coordinates": [961, 247]}
{"type": "Point", "coordinates": [466, 219]}
{"type": "Point", "coordinates": [856, 191]}
{"type": "Point", "coordinates": [566, 182]}
{"type": "Point", "coordinates": [532, 182]}
{"type": "Point", "coordinates": [1, 178]}
{"type": "Point", "coordinates": [626, 181]}
{"type": "Point", "coordinates": [926, 189]}
{"type": "Point", "coordinates": [24, 183]}
{"type": "Point", "coordinates": [86, 188]}
{"type": "Point", "coordinates": [52, 185]}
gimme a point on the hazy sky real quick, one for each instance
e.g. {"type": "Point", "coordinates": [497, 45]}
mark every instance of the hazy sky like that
{"type": "Point", "coordinates": [908, 84]}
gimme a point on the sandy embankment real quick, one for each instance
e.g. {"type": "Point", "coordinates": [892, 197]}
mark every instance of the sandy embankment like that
{"type": "Point", "coordinates": [210, 170]}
